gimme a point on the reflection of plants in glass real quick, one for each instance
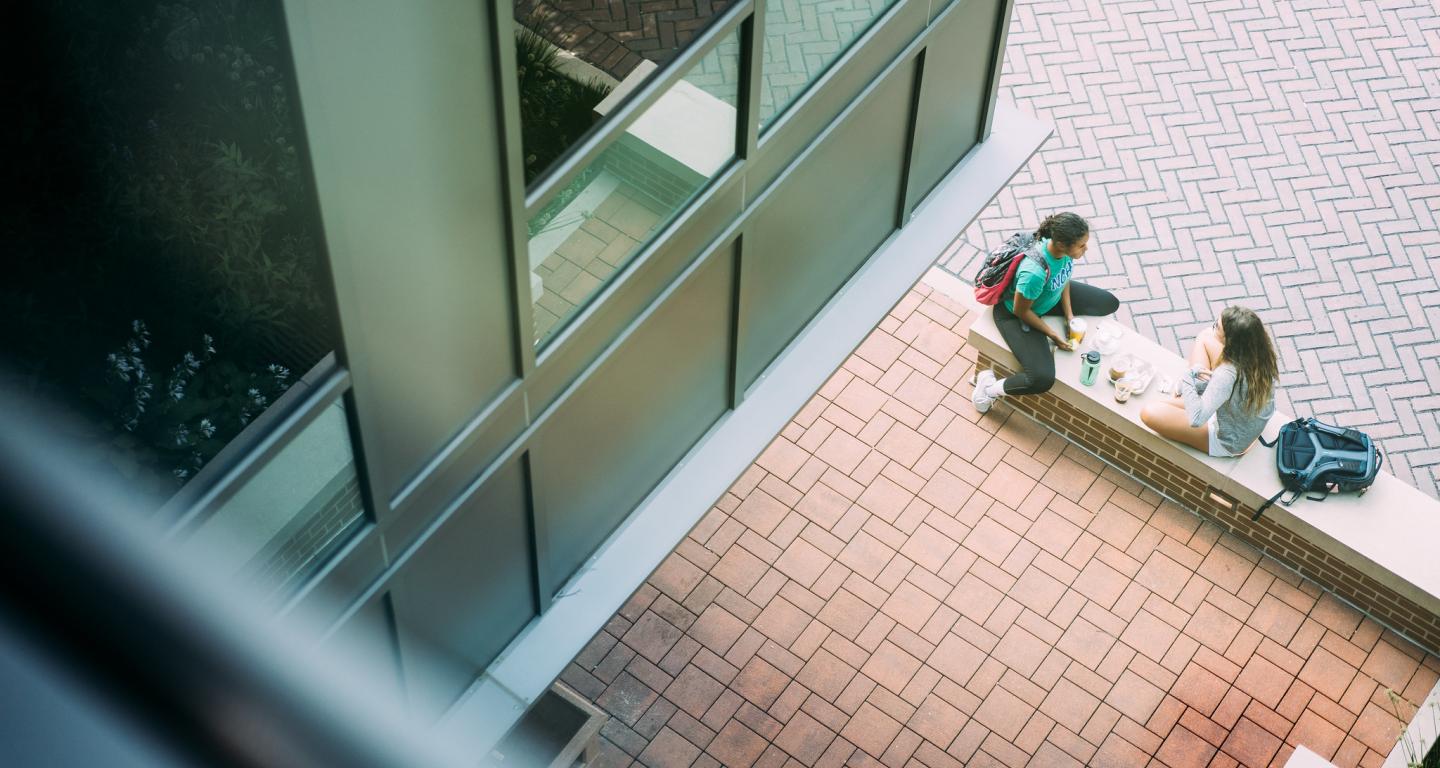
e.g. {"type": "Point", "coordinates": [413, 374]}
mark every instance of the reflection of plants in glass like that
{"type": "Point", "coordinates": [222, 205]}
{"type": "Point", "coordinates": [165, 178]}
{"type": "Point", "coordinates": [181, 418]}
{"type": "Point", "coordinates": [1418, 753]}
{"type": "Point", "coordinates": [555, 109]}
{"type": "Point", "coordinates": [561, 199]}
{"type": "Point", "coordinates": [213, 173]}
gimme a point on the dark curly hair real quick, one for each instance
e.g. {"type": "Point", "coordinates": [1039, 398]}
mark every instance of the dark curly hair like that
{"type": "Point", "coordinates": [1064, 229]}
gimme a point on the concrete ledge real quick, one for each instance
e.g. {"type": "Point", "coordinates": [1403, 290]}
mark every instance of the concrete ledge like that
{"type": "Point", "coordinates": [686, 125]}
{"type": "Point", "coordinates": [1375, 550]}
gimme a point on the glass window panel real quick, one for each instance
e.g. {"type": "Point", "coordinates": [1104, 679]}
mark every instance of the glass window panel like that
{"type": "Point", "coordinates": [591, 229]}
{"type": "Point", "coordinates": [164, 276]}
{"type": "Point", "coordinates": [802, 39]}
{"type": "Point", "coordinates": [569, 58]}
{"type": "Point", "coordinates": [286, 521]}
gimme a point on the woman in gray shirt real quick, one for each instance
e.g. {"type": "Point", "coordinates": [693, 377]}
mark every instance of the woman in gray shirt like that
{"type": "Point", "coordinates": [1228, 395]}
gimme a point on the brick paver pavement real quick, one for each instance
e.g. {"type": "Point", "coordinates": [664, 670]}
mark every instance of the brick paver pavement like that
{"type": "Point", "coordinates": [900, 581]}
{"type": "Point", "coordinates": [1277, 154]}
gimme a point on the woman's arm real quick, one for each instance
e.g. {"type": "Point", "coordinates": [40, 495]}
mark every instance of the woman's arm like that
{"type": "Point", "coordinates": [1200, 407]}
{"type": "Point", "coordinates": [1065, 305]}
{"type": "Point", "coordinates": [1024, 309]}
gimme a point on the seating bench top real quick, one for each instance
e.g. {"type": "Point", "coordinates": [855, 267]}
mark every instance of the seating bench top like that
{"type": "Point", "coordinates": [1391, 532]}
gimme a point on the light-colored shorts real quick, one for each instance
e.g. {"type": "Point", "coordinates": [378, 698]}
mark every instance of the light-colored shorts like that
{"type": "Point", "coordinates": [1212, 427]}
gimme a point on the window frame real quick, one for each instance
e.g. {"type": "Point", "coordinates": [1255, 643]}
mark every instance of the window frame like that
{"type": "Point", "coordinates": [258, 444]}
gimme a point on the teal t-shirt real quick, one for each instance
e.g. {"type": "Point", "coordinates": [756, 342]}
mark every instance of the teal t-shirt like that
{"type": "Point", "coordinates": [1030, 281]}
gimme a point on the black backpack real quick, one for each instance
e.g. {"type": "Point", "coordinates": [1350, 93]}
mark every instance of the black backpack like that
{"type": "Point", "coordinates": [1312, 456]}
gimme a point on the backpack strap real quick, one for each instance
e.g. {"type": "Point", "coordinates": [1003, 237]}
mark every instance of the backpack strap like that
{"type": "Point", "coordinates": [1293, 497]}
{"type": "Point", "coordinates": [1271, 443]}
{"type": "Point", "coordinates": [1267, 504]}
{"type": "Point", "coordinates": [1043, 263]}
{"type": "Point", "coordinates": [1030, 253]}
{"type": "Point", "coordinates": [1325, 494]}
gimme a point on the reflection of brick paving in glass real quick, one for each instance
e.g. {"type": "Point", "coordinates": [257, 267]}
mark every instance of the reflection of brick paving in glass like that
{"type": "Point", "coordinates": [582, 264]}
{"type": "Point", "coordinates": [802, 39]}
{"type": "Point", "coordinates": [718, 73]}
{"type": "Point", "coordinates": [900, 581]}
{"type": "Point", "coordinates": [615, 35]}
{"type": "Point", "coordinates": [1279, 156]}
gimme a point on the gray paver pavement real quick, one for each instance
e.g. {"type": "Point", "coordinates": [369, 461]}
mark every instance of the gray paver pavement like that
{"type": "Point", "coordinates": [1280, 155]}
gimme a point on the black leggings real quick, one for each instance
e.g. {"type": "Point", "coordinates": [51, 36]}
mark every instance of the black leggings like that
{"type": "Point", "coordinates": [1032, 348]}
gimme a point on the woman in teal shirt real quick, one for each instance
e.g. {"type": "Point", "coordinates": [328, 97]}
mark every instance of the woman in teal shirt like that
{"type": "Point", "coordinates": [1063, 238]}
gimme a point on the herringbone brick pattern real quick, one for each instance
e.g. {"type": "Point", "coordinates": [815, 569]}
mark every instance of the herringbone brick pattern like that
{"type": "Point", "coordinates": [802, 38]}
{"type": "Point", "coordinates": [1280, 155]}
{"type": "Point", "coordinates": [615, 35]}
{"type": "Point", "coordinates": [899, 581]}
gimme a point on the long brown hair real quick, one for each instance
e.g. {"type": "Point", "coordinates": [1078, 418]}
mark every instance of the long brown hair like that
{"type": "Point", "coordinates": [1248, 348]}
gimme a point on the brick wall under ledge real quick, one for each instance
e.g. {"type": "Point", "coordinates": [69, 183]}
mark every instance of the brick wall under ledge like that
{"type": "Point", "coordinates": [1370, 596]}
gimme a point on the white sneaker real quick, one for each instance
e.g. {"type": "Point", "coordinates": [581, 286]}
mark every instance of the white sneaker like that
{"type": "Point", "coordinates": [979, 398]}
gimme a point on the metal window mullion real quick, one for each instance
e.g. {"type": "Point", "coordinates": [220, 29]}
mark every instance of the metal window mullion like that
{"type": "Point", "coordinates": [747, 144]}
{"type": "Point", "coordinates": [907, 201]}
{"type": "Point", "coordinates": [737, 392]}
{"type": "Point", "coordinates": [584, 154]}
{"type": "Point", "coordinates": [1002, 33]}
{"type": "Point", "coordinates": [513, 185]}
{"type": "Point", "coordinates": [538, 529]}
{"type": "Point", "coordinates": [373, 502]}
{"type": "Point", "coordinates": [323, 394]}
{"type": "Point", "coordinates": [752, 77]}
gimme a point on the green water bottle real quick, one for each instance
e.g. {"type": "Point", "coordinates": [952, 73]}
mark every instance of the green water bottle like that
{"type": "Point", "coordinates": [1089, 367]}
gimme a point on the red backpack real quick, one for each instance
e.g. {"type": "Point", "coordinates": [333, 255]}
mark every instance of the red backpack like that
{"type": "Point", "coordinates": [997, 272]}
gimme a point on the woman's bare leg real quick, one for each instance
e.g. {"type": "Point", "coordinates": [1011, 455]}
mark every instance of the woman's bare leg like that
{"type": "Point", "coordinates": [1169, 420]}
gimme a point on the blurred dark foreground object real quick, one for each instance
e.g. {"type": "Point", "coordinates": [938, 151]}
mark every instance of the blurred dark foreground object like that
{"type": "Point", "coordinates": [114, 651]}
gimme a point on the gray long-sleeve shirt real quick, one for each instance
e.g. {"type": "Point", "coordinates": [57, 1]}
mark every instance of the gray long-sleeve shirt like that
{"type": "Point", "coordinates": [1224, 397]}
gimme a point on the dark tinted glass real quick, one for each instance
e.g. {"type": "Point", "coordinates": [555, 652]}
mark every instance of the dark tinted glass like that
{"type": "Point", "coordinates": [164, 270]}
